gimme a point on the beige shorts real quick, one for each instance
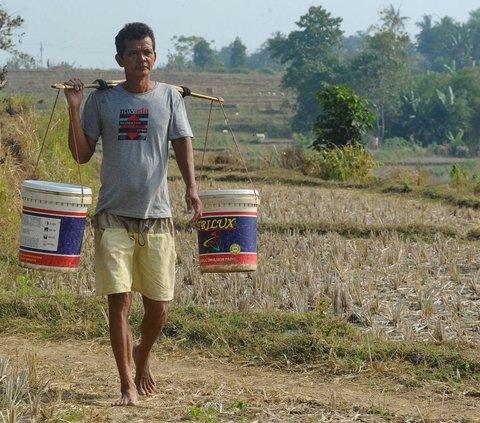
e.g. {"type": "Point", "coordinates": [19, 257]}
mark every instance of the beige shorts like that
{"type": "Point", "coordinates": [134, 255]}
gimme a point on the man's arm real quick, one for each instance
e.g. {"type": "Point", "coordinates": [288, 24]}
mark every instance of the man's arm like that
{"type": "Point", "coordinates": [81, 146]}
{"type": "Point", "coordinates": [184, 157]}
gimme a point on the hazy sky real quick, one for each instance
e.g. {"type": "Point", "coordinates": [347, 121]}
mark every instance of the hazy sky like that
{"type": "Point", "coordinates": [82, 32]}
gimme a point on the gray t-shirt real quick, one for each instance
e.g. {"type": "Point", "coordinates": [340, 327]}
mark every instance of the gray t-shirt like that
{"type": "Point", "coordinates": [135, 130]}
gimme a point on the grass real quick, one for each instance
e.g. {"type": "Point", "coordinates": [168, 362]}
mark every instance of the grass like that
{"type": "Point", "coordinates": [315, 340]}
{"type": "Point", "coordinates": [21, 391]}
{"type": "Point", "coordinates": [414, 231]}
{"type": "Point", "coordinates": [352, 277]}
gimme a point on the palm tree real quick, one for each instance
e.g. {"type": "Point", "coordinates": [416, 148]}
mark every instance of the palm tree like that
{"type": "Point", "coordinates": [392, 21]}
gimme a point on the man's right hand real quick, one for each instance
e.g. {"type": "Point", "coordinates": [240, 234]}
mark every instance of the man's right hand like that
{"type": "Point", "coordinates": [74, 95]}
{"type": "Point", "coordinates": [81, 147]}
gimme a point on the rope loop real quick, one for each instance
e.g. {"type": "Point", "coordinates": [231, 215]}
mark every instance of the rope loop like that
{"type": "Point", "coordinates": [102, 84]}
{"type": "Point", "coordinates": [186, 91]}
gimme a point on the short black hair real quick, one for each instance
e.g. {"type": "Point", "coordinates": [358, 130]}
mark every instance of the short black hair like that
{"type": "Point", "coordinates": [133, 31]}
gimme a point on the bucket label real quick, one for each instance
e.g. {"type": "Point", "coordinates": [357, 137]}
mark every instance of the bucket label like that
{"type": "Point", "coordinates": [41, 233]}
{"type": "Point", "coordinates": [52, 234]}
{"type": "Point", "coordinates": [227, 239]}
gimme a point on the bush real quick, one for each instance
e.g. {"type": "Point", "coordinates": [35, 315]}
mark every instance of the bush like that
{"type": "Point", "coordinates": [294, 157]}
{"type": "Point", "coordinates": [459, 179]}
{"type": "Point", "coordinates": [341, 164]}
{"type": "Point", "coordinates": [344, 120]}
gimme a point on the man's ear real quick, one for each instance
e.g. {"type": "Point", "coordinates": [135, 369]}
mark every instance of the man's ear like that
{"type": "Point", "coordinates": [119, 60]}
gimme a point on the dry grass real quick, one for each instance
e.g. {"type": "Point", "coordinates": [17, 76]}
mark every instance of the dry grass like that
{"type": "Point", "coordinates": [20, 390]}
{"type": "Point", "coordinates": [340, 206]}
{"type": "Point", "coordinates": [397, 286]}
{"type": "Point", "coordinates": [404, 288]}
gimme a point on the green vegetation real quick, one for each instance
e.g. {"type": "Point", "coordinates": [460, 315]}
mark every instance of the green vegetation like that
{"type": "Point", "coordinates": [322, 323]}
{"type": "Point", "coordinates": [309, 55]}
{"type": "Point", "coordinates": [282, 339]}
{"type": "Point", "coordinates": [367, 258]}
{"type": "Point", "coordinates": [341, 164]}
{"type": "Point", "coordinates": [9, 37]}
{"type": "Point", "coordinates": [344, 119]}
{"type": "Point", "coordinates": [427, 92]}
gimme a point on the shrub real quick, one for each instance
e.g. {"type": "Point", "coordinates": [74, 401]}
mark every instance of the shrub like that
{"type": "Point", "coordinates": [344, 120]}
{"type": "Point", "coordinates": [294, 157]}
{"type": "Point", "coordinates": [345, 163]}
{"type": "Point", "coordinates": [459, 179]}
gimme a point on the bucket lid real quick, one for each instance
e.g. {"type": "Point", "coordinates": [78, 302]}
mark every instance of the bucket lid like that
{"type": "Point", "coordinates": [56, 187]}
{"type": "Point", "coordinates": [228, 192]}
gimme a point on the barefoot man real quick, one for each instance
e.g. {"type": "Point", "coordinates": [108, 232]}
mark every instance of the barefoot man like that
{"type": "Point", "coordinates": [134, 245]}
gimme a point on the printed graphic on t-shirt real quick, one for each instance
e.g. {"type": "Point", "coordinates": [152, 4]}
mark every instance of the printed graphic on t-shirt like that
{"type": "Point", "coordinates": [133, 124]}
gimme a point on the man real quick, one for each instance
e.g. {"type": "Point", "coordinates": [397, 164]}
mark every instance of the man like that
{"type": "Point", "coordinates": [134, 246]}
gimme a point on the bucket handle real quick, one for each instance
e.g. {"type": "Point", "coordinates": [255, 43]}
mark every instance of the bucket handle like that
{"type": "Point", "coordinates": [34, 176]}
{"type": "Point", "coordinates": [234, 141]}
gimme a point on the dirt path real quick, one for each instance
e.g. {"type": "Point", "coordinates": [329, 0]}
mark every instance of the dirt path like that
{"type": "Point", "coordinates": [84, 376]}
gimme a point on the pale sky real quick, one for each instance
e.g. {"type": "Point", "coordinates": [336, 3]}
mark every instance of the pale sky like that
{"type": "Point", "coordinates": [82, 32]}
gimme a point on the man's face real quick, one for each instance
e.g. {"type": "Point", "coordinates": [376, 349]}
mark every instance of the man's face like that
{"type": "Point", "coordinates": [138, 58]}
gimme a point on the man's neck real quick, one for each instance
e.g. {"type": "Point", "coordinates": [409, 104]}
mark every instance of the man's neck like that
{"type": "Point", "coordinates": [138, 85]}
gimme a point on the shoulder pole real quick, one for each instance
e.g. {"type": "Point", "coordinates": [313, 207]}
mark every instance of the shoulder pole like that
{"type": "Point", "coordinates": [101, 84]}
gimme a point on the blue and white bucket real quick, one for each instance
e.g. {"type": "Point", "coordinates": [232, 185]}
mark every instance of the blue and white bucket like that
{"type": "Point", "coordinates": [227, 231]}
{"type": "Point", "coordinates": [53, 223]}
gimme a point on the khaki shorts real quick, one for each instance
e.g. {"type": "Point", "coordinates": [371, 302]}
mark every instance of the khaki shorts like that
{"type": "Point", "coordinates": [134, 255]}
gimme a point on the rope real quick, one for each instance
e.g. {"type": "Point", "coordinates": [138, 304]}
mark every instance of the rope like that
{"type": "Point", "coordinates": [76, 153]}
{"type": "Point", "coordinates": [74, 142]}
{"type": "Point", "coordinates": [234, 140]}
{"type": "Point", "coordinates": [205, 146]}
{"type": "Point", "coordinates": [236, 145]}
{"type": "Point", "coordinates": [45, 135]}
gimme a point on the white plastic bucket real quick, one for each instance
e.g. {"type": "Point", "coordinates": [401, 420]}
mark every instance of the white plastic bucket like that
{"type": "Point", "coordinates": [227, 231]}
{"type": "Point", "coordinates": [53, 223]}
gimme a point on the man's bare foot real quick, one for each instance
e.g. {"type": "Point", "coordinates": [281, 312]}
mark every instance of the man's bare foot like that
{"type": "Point", "coordinates": [143, 377]}
{"type": "Point", "coordinates": [129, 397]}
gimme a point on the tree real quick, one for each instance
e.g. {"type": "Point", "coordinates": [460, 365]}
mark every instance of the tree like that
{"type": "Point", "coordinates": [203, 54]}
{"type": "Point", "coordinates": [182, 57]}
{"type": "Point", "coordinates": [344, 118]}
{"type": "Point", "coordinates": [223, 55]}
{"type": "Point", "coordinates": [473, 25]}
{"type": "Point", "coordinates": [467, 86]}
{"type": "Point", "coordinates": [392, 21]}
{"type": "Point", "coordinates": [353, 43]}
{"type": "Point", "coordinates": [8, 27]}
{"type": "Point", "coordinates": [441, 106]}
{"type": "Point", "coordinates": [238, 56]}
{"type": "Point", "coordinates": [381, 71]}
{"type": "Point", "coordinates": [449, 44]}
{"type": "Point", "coordinates": [308, 55]}
{"type": "Point", "coordinates": [21, 61]}
{"type": "Point", "coordinates": [191, 51]}
{"type": "Point", "coordinates": [262, 59]}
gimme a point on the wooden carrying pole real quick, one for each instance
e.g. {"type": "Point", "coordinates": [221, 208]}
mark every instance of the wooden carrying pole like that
{"type": "Point", "coordinates": [110, 84]}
